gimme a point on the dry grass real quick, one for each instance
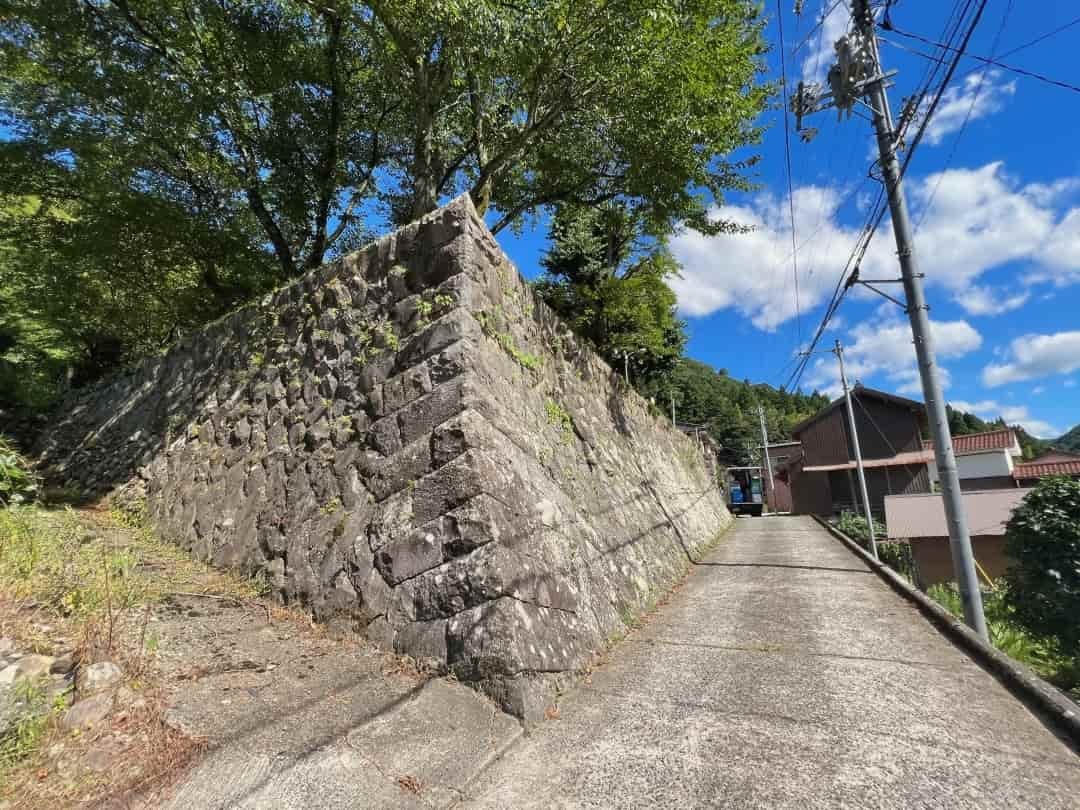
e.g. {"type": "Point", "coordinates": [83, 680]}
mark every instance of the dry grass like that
{"type": "Point", "coordinates": [89, 579]}
{"type": "Point", "coordinates": [137, 752]}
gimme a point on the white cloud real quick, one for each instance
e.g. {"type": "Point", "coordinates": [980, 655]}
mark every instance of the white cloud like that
{"type": "Point", "coordinates": [990, 410]}
{"type": "Point", "coordinates": [981, 218]}
{"type": "Point", "coordinates": [1033, 356]}
{"type": "Point", "coordinates": [884, 349]}
{"type": "Point", "coordinates": [979, 94]}
{"type": "Point", "coordinates": [752, 272]}
{"type": "Point", "coordinates": [821, 53]}
{"type": "Point", "coordinates": [1039, 389]}
{"type": "Point", "coordinates": [978, 219]}
{"type": "Point", "coordinates": [1061, 252]}
{"type": "Point", "coordinates": [988, 301]}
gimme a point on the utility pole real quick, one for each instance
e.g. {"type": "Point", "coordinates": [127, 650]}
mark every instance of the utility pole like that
{"type": "Point", "coordinates": [839, 351]}
{"type": "Point", "coordinates": [857, 75]}
{"type": "Point", "coordinates": [767, 462]}
{"type": "Point", "coordinates": [626, 361]}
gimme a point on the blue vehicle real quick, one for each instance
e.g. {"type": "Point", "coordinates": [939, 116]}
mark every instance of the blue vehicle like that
{"type": "Point", "coordinates": [744, 490]}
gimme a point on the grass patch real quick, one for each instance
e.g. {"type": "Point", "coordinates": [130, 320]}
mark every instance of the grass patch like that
{"type": "Point", "coordinates": [1007, 636]}
{"type": "Point", "coordinates": [560, 418]}
{"type": "Point", "coordinates": [91, 576]}
{"type": "Point", "coordinates": [84, 564]}
{"type": "Point", "coordinates": [17, 482]}
{"type": "Point", "coordinates": [526, 360]}
{"type": "Point", "coordinates": [35, 715]}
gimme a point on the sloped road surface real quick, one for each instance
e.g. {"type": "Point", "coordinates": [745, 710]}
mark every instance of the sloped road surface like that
{"type": "Point", "coordinates": [784, 673]}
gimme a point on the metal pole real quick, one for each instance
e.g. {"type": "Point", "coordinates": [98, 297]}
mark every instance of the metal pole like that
{"type": "Point", "coordinates": [626, 366]}
{"type": "Point", "coordinates": [671, 396]}
{"type": "Point", "coordinates": [765, 454]}
{"type": "Point", "coordinates": [858, 453]}
{"type": "Point", "coordinates": [959, 539]}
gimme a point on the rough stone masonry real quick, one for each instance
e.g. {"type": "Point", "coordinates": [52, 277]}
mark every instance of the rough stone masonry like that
{"type": "Point", "coordinates": [408, 436]}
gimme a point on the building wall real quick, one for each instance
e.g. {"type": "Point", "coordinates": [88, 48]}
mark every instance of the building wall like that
{"type": "Point", "coordinates": [991, 464]}
{"type": "Point", "coordinates": [933, 558]}
{"type": "Point", "coordinates": [780, 492]}
{"type": "Point", "coordinates": [997, 482]}
{"type": "Point", "coordinates": [885, 429]}
{"type": "Point", "coordinates": [810, 492]}
{"type": "Point", "coordinates": [910, 479]}
{"type": "Point", "coordinates": [825, 441]}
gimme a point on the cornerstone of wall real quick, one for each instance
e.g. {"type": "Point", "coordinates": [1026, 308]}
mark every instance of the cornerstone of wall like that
{"type": "Point", "coordinates": [407, 436]}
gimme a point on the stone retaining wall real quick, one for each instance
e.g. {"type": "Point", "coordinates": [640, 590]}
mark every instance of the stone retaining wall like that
{"type": "Point", "coordinates": [408, 436]}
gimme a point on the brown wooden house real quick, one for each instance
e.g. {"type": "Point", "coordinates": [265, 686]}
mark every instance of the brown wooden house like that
{"type": "Point", "coordinates": [822, 478]}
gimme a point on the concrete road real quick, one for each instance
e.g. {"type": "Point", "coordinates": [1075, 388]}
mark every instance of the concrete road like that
{"type": "Point", "coordinates": [784, 673]}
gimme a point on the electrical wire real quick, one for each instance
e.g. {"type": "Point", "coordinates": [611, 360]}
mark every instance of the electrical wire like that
{"type": "Point", "coordinates": [967, 117]}
{"type": "Point", "coordinates": [987, 61]}
{"type": "Point", "coordinates": [848, 276]}
{"type": "Point", "coordinates": [1040, 38]}
{"type": "Point", "coordinates": [819, 24]}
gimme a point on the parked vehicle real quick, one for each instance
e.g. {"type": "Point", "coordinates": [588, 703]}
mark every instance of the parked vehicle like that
{"type": "Point", "coordinates": [744, 490]}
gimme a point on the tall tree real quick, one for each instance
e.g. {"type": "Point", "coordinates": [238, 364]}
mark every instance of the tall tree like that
{"type": "Point", "coordinates": [297, 115]}
{"type": "Point", "coordinates": [270, 112]}
{"type": "Point", "coordinates": [166, 145]}
{"type": "Point", "coordinates": [612, 289]}
{"type": "Point", "coordinates": [557, 101]}
{"type": "Point", "coordinates": [92, 275]}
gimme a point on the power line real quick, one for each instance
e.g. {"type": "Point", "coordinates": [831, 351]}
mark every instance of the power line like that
{"type": "Point", "coordinates": [787, 158]}
{"type": "Point", "coordinates": [850, 273]}
{"type": "Point", "coordinates": [963, 124]}
{"type": "Point", "coordinates": [819, 24]}
{"type": "Point", "coordinates": [1041, 37]}
{"type": "Point", "coordinates": [1012, 68]}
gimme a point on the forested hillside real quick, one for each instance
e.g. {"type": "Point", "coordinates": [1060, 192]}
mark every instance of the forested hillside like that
{"type": "Point", "coordinates": [728, 407]}
{"type": "Point", "coordinates": [961, 423]}
{"type": "Point", "coordinates": [1070, 441]}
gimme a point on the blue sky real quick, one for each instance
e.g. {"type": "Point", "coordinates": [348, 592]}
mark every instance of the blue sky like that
{"type": "Point", "coordinates": [998, 240]}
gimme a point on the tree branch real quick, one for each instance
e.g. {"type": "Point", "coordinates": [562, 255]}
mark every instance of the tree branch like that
{"type": "Point", "coordinates": [328, 165]}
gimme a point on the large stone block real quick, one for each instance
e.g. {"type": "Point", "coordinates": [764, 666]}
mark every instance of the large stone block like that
{"type": "Point", "coordinates": [408, 435]}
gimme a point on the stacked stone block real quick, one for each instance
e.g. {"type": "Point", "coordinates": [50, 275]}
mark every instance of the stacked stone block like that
{"type": "Point", "coordinates": [407, 436]}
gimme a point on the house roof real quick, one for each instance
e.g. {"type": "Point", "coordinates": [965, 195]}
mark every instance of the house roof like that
{"type": "Point", "coordinates": [863, 392]}
{"type": "Point", "coordinates": [1000, 439]}
{"type": "Point", "coordinates": [899, 460]}
{"type": "Point", "coordinates": [1035, 469]}
{"type": "Point", "coordinates": [924, 515]}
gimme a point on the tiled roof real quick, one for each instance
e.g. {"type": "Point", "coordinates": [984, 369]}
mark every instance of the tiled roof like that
{"type": "Point", "coordinates": [1037, 470]}
{"type": "Point", "coordinates": [1002, 439]}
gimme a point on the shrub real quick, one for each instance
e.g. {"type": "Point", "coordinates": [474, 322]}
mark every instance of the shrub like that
{"type": "Point", "coordinates": [854, 526]}
{"type": "Point", "coordinates": [1042, 538]}
{"type": "Point", "coordinates": [1009, 636]}
{"type": "Point", "coordinates": [17, 482]}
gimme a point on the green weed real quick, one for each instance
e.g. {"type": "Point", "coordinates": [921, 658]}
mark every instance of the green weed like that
{"type": "Point", "coordinates": [558, 416]}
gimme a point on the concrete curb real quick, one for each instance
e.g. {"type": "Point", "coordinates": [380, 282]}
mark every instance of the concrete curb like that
{"type": "Point", "coordinates": [1059, 710]}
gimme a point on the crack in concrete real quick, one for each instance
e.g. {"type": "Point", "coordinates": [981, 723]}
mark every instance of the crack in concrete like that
{"type": "Point", "coordinates": [777, 649]}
